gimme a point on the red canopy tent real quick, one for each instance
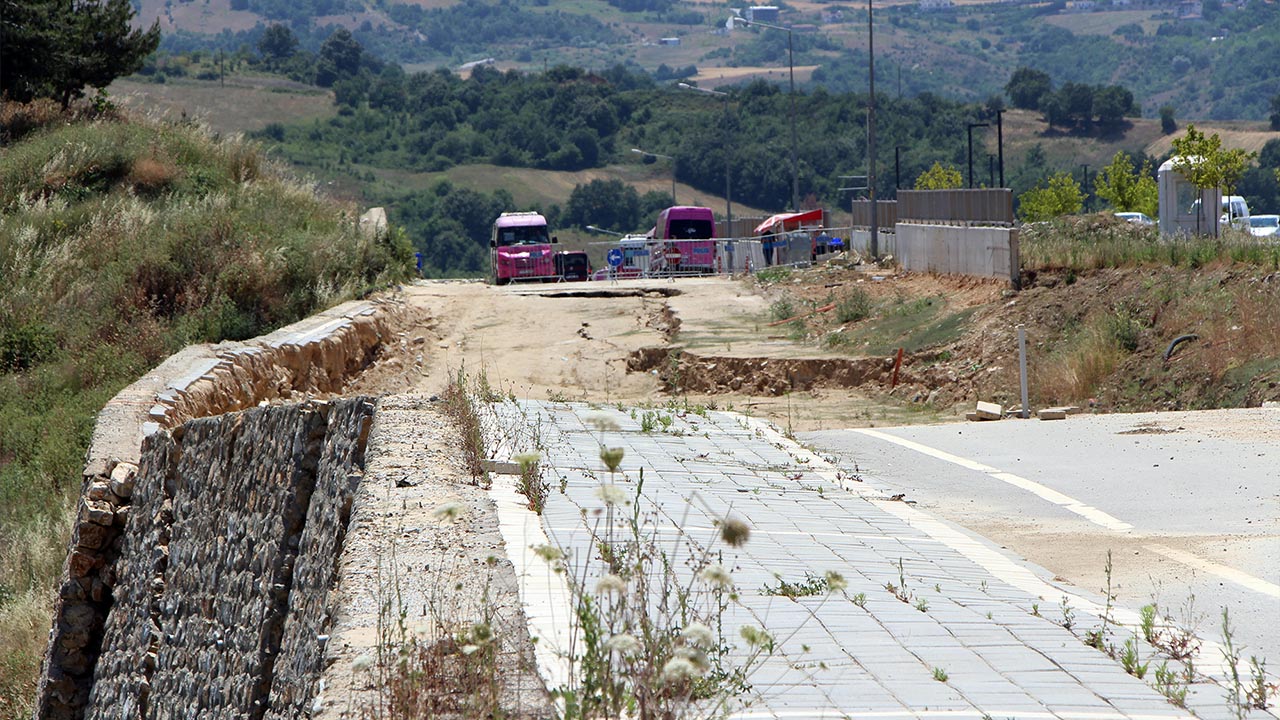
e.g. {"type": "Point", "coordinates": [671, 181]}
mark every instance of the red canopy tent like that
{"type": "Point", "coordinates": [789, 221]}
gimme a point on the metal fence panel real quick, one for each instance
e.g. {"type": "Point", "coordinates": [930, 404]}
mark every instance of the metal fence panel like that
{"type": "Point", "coordinates": [886, 213]}
{"type": "Point", "coordinates": [987, 206]}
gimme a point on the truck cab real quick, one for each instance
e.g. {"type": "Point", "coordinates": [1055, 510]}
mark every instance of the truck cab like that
{"type": "Point", "coordinates": [521, 248]}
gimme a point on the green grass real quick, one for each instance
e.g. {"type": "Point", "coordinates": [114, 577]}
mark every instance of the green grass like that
{"type": "Point", "coordinates": [121, 242]}
{"type": "Point", "coordinates": [911, 325]}
{"type": "Point", "coordinates": [1092, 242]}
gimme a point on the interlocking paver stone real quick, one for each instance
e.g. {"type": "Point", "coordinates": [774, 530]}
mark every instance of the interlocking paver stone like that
{"type": "Point", "coordinates": [875, 659]}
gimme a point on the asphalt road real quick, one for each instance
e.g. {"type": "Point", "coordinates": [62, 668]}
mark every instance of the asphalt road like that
{"type": "Point", "coordinates": [1188, 504]}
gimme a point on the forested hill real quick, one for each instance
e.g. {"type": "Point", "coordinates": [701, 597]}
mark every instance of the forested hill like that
{"type": "Point", "coordinates": [568, 120]}
{"type": "Point", "coordinates": [1217, 65]}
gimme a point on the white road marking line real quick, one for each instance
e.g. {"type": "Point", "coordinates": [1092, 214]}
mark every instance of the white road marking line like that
{"type": "Point", "coordinates": [1226, 573]}
{"type": "Point", "coordinates": [1088, 512]}
{"type": "Point", "coordinates": [822, 713]}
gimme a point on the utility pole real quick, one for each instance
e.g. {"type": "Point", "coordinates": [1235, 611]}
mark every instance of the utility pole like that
{"type": "Point", "coordinates": [1000, 142]}
{"type": "Point", "coordinates": [728, 149]}
{"type": "Point", "coordinates": [791, 66]}
{"type": "Point", "coordinates": [871, 132]}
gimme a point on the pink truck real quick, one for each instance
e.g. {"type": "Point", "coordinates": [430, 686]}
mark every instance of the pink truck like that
{"type": "Point", "coordinates": [521, 248]}
{"type": "Point", "coordinates": [687, 238]}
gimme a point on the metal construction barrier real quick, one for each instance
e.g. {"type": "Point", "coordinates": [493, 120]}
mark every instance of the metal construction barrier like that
{"type": "Point", "coordinates": [634, 257]}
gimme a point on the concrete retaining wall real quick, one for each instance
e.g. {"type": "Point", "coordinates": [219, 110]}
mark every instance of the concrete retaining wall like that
{"type": "Point", "coordinates": [982, 251]}
{"type": "Point", "coordinates": [318, 355]}
{"type": "Point", "coordinates": [947, 249]}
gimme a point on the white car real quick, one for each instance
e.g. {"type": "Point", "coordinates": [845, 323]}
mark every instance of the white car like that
{"type": "Point", "coordinates": [1136, 218]}
{"type": "Point", "coordinates": [1264, 225]}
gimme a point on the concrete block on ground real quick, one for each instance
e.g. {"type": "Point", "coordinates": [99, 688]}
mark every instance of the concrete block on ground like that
{"type": "Point", "coordinates": [1051, 414]}
{"type": "Point", "coordinates": [989, 411]}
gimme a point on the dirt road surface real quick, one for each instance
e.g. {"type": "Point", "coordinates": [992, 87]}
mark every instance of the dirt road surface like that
{"type": "Point", "coordinates": [609, 343]}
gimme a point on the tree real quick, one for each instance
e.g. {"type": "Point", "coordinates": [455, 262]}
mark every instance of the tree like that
{"type": "Point", "coordinates": [1206, 164]}
{"type": "Point", "coordinates": [610, 204]}
{"type": "Point", "coordinates": [55, 48]}
{"type": "Point", "coordinates": [939, 177]}
{"type": "Point", "coordinates": [1027, 86]}
{"type": "Point", "coordinates": [1112, 103]}
{"type": "Point", "coordinates": [1168, 125]}
{"type": "Point", "coordinates": [339, 57]}
{"type": "Point", "coordinates": [1275, 112]}
{"type": "Point", "coordinates": [1061, 197]}
{"type": "Point", "coordinates": [1077, 101]}
{"type": "Point", "coordinates": [1127, 189]}
{"type": "Point", "coordinates": [277, 44]}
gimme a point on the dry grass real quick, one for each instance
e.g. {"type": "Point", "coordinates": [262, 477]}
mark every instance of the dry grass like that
{"type": "Point", "coordinates": [1075, 370]}
{"type": "Point", "coordinates": [1247, 139]}
{"type": "Point", "coordinates": [121, 242]}
{"type": "Point", "coordinates": [30, 564]}
{"type": "Point", "coordinates": [242, 104]}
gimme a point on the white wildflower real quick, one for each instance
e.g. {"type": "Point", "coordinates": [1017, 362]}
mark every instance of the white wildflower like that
{"type": "Point", "coordinates": [449, 513]}
{"type": "Point", "coordinates": [679, 669]}
{"type": "Point", "coordinates": [469, 649]}
{"type": "Point", "coordinates": [549, 553]}
{"type": "Point", "coordinates": [603, 423]}
{"type": "Point", "coordinates": [527, 460]}
{"type": "Point", "coordinates": [718, 575]}
{"type": "Point", "coordinates": [698, 635]}
{"type": "Point", "coordinates": [756, 637]}
{"type": "Point", "coordinates": [612, 457]}
{"type": "Point", "coordinates": [836, 581]}
{"type": "Point", "coordinates": [611, 583]}
{"type": "Point", "coordinates": [734, 531]}
{"type": "Point", "coordinates": [612, 494]}
{"type": "Point", "coordinates": [622, 643]}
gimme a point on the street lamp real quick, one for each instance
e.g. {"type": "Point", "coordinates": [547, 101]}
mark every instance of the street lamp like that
{"type": "Point", "coordinates": [871, 131]}
{"type": "Point", "coordinates": [791, 67]}
{"type": "Point", "coordinates": [638, 151]}
{"type": "Point", "coordinates": [728, 202]}
{"type": "Point", "coordinates": [970, 132]}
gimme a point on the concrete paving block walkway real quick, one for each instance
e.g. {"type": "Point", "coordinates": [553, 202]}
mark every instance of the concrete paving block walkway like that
{"type": "Point", "coordinates": [990, 623]}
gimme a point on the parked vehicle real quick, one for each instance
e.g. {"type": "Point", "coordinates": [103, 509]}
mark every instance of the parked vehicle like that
{"type": "Point", "coordinates": [521, 248]}
{"type": "Point", "coordinates": [1235, 211]}
{"type": "Point", "coordinates": [686, 238]}
{"type": "Point", "coordinates": [572, 266]}
{"type": "Point", "coordinates": [1136, 218]}
{"type": "Point", "coordinates": [1264, 225]}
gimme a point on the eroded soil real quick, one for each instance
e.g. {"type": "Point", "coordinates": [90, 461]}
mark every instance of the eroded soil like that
{"type": "Point", "coordinates": [818, 348]}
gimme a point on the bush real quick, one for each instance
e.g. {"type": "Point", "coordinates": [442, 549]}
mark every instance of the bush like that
{"type": "Point", "coordinates": [120, 242]}
{"type": "Point", "coordinates": [853, 307]}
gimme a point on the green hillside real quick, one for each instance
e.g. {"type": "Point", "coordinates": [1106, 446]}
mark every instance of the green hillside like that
{"type": "Point", "coordinates": [122, 241]}
{"type": "Point", "coordinates": [1217, 65]}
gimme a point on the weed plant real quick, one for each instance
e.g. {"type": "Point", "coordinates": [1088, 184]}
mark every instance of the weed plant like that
{"type": "Point", "coordinates": [853, 307]}
{"type": "Point", "coordinates": [782, 309]}
{"type": "Point", "coordinates": [462, 407]}
{"type": "Point", "coordinates": [809, 586]}
{"type": "Point", "coordinates": [648, 617]}
{"type": "Point", "coordinates": [1084, 244]}
{"type": "Point", "coordinates": [121, 241]}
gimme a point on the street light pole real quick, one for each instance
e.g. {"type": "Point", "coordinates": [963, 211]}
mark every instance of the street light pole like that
{"type": "Point", "coordinates": [728, 148]}
{"type": "Point", "coordinates": [673, 168]}
{"type": "Point", "coordinates": [871, 132]}
{"type": "Point", "coordinates": [1000, 142]}
{"type": "Point", "coordinates": [970, 132]}
{"type": "Point", "coordinates": [791, 66]}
